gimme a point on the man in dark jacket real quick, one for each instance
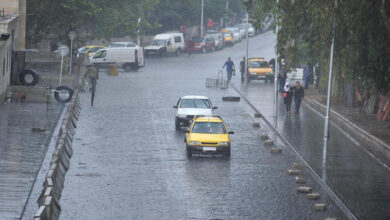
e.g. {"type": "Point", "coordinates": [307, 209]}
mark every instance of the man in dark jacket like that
{"type": "Point", "coordinates": [242, 69]}
{"type": "Point", "coordinates": [299, 93]}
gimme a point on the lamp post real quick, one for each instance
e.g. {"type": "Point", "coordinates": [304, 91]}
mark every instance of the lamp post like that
{"type": "Point", "coordinates": [201, 20]}
{"type": "Point", "coordinates": [276, 73]}
{"type": "Point", "coordinates": [326, 126]}
{"type": "Point", "coordinates": [72, 36]}
{"type": "Point", "coordinates": [138, 37]}
{"type": "Point", "coordinates": [247, 46]}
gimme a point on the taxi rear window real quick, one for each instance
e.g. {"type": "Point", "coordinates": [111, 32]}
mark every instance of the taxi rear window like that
{"type": "Point", "coordinates": [258, 64]}
{"type": "Point", "coordinates": [209, 128]}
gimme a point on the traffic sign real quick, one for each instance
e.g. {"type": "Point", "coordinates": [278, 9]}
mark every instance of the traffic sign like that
{"type": "Point", "coordinates": [72, 35]}
{"type": "Point", "coordinates": [63, 50]}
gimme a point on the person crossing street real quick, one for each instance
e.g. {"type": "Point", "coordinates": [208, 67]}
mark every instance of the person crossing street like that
{"type": "Point", "coordinates": [230, 68]}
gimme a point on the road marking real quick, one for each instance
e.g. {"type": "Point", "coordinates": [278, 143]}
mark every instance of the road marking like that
{"type": "Point", "coordinates": [335, 125]}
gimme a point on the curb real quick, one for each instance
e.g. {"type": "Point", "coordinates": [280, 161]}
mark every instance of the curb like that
{"type": "Point", "coordinates": [375, 147]}
{"type": "Point", "coordinates": [323, 185]}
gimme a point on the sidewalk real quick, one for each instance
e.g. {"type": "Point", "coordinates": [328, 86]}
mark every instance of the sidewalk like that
{"type": "Point", "coordinates": [363, 126]}
{"type": "Point", "coordinates": [348, 161]}
{"type": "Point", "coordinates": [25, 129]}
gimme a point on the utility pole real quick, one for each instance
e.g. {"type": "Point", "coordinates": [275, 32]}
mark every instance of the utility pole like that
{"type": "Point", "coordinates": [227, 13]}
{"type": "Point", "coordinates": [326, 126]}
{"type": "Point", "coordinates": [138, 37]}
{"type": "Point", "coordinates": [201, 20]}
{"type": "Point", "coordinates": [276, 72]}
{"type": "Point", "coordinates": [247, 47]}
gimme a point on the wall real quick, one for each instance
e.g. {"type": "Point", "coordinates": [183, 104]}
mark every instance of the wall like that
{"type": "Point", "coordinates": [6, 47]}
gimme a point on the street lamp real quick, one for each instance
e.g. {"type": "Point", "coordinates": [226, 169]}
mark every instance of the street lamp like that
{"type": "Point", "coordinates": [326, 126]}
{"type": "Point", "coordinates": [201, 20]}
{"type": "Point", "coordinates": [276, 73]}
{"type": "Point", "coordinates": [72, 36]}
{"type": "Point", "coordinates": [138, 37]}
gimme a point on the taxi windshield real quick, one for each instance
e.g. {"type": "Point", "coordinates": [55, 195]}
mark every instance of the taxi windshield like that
{"type": "Point", "coordinates": [258, 64]}
{"type": "Point", "coordinates": [209, 128]}
{"type": "Point", "coordinates": [195, 103]}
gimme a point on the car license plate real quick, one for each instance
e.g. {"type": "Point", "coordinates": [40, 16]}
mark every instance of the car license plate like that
{"type": "Point", "coordinates": [209, 148]}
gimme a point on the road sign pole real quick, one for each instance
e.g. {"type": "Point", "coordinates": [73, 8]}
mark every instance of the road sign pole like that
{"type": "Point", "coordinates": [71, 57]}
{"type": "Point", "coordinates": [62, 66]}
{"type": "Point", "coordinates": [247, 48]}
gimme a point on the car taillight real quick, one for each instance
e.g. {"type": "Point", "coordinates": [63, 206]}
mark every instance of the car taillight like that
{"type": "Point", "coordinates": [136, 52]}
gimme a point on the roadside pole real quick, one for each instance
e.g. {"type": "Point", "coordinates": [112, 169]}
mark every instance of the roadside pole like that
{"type": "Point", "coordinates": [201, 20]}
{"type": "Point", "coordinates": [326, 126]}
{"type": "Point", "coordinates": [64, 50]}
{"type": "Point", "coordinates": [72, 36]}
{"type": "Point", "coordinates": [227, 13]}
{"type": "Point", "coordinates": [246, 54]}
{"type": "Point", "coordinates": [276, 74]}
{"type": "Point", "coordinates": [138, 37]}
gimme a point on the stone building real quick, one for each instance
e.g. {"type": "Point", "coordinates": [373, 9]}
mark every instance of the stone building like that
{"type": "Point", "coordinates": [13, 34]}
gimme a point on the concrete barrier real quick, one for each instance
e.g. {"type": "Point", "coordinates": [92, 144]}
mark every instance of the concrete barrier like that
{"type": "Point", "coordinates": [49, 207]}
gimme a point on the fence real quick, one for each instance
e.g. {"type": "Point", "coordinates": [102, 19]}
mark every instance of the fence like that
{"type": "Point", "coordinates": [48, 201]}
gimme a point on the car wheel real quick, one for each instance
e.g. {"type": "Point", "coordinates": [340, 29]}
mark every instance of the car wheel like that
{"type": "Point", "coordinates": [127, 67]}
{"type": "Point", "coordinates": [227, 153]}
{"type": "Point", "coordinates": [189, 153]}
{"type": "Point", "coordinates": [178, 52]}
{"type": "Point", "coordinates": [204, 50]}
{"type": "Point", "coordinates": [135, 67]}
{"type": "Point", "coordinates": [177, 125]}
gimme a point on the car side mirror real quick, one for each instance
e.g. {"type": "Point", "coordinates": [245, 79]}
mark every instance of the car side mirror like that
{"type": "Point", "coordinates": [231, 132]}
{"type": "Point", "coordinates": [215, 107]}
{"type": "Point", "coordinates": [175, 106]}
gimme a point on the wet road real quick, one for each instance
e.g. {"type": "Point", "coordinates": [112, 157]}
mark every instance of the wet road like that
{"type": "Point", "coordinates": [129, 162]}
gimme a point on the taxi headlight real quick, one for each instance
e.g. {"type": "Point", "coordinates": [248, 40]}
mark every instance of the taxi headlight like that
{"type": "Point", "coordinates": [194, 143]}
{"type": "Point", "coordinates": [181, 116]}
{"type": "Point", "coordinates": [270, 73]}
{"type": "Point", "coordinates": [223, 143]}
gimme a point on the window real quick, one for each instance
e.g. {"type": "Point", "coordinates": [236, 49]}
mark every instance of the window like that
{"type": "Point", "coordinates": [195, 103]}
{"type": "Point", "coordinates": [258, 64]}
{"type": "Point", "coordinates": [93, 50]}
{"type": "Point", "coordinates": [209, 128]}
{"type": "Point", "coordinates": [177, 39]}
{"type": "Point", "coordinates": [100, 54]}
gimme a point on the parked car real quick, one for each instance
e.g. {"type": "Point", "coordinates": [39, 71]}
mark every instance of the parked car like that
{"type": "Point", "coordinates": [163, 44]}
{"type": "Point", "coordinates": [228, 37]}
{"type": "Point", "coordinates": [89, 50]}
{"type": "Point", "coordinates": [122, 44]}
{"type": "Point", "coordinates": [190, 106]}
{"type": "Point", "coordinates": [203, 44]}
{"type": "Point", "coordinates": [259, 69]}
{"type": "Point", "coordinates": [208, 134]}
{"type": "Point", "coordinates": [218, 39]}
{"type": "Point", "coordinates": [242, 31]}
{"type": "Point", "coordinates": [236, 34]}
{"type": "Point", "coordinates": [129, 58]}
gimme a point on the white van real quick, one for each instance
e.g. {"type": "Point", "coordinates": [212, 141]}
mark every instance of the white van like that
{"type": "Point", "coordinates": [163, 44]}
{"type": "Point", "coordinates": [129, 58]}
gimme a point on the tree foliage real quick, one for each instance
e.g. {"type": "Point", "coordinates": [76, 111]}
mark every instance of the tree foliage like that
{"type": "Point", "coordinates": [362, 33]}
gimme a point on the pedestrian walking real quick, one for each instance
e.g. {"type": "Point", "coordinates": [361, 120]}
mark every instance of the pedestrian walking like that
{"type": "Point", "coordinates": [307, 75]}
{"type": "Point", "coordinates": [230, 68]}
{"type": "Point", "coordinates": [287, 97]}
{"type": "Point", "coordinates": [242, 69]}
{"type": "Point", "coordinates": [299, 94]}
{"type": "Point", "coordinates": [282, 78]}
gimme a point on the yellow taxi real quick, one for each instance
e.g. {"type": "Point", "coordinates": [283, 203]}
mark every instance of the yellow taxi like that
{"type": "Point", "coordinates": [90, 50]}
{"type": "Point", "coordinates": [228, 37]}
{"type": "Point", "coordinates": [259, 69]}
{"type": "Point", "coordinates": [208, 134]}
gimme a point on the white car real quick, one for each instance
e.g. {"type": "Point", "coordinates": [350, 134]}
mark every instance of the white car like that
{"type": "Point", "coordinates": [190, 106]}
{"type": "Point", "coordinates": [129, 58]}
{"type": "Point", "coordinates": [163, 44]}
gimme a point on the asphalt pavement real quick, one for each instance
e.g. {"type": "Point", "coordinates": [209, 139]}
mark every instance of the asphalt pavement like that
{"type": "Point", "coordinates": [129, 162]}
